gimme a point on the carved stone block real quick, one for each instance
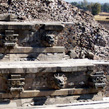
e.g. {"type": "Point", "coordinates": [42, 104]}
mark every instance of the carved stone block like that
{"type": "Point", "coordinates": [99, 79]}
{"type": "Point", "coordinates": [16, 83]}
{"type": "Point", "coordinates": [9, 38]}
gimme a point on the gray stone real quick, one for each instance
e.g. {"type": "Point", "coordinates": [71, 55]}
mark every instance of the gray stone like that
{"type": "Point", "coordinates": [72, 54]}
{"type": "Point", "coordinates": [8, 17]}
{"type": "Point", "coordinates": [1, 56]}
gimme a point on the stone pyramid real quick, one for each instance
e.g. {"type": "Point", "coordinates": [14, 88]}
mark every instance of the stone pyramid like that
{"type": "Point", "coordinates": [84, 35]}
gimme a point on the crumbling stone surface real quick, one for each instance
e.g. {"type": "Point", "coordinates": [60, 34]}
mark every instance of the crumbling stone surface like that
{"type": "Point", "coordinates": [87, 37]}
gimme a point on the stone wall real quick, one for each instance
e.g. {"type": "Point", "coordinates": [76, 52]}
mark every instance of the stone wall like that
{"type": "Point", "coordinates": [85, 35]}
{"type": "Point", "coordinates": [82, 33]}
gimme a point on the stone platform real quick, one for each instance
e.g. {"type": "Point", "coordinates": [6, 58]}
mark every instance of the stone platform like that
{"type": "Point", "coordinates": [46, 66]}
{"type": "Point", "coordinates": [27, 104]}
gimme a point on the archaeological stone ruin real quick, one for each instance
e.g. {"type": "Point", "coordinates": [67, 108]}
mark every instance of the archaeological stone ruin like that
{"type": "Point", "coordinates": [45, 52]}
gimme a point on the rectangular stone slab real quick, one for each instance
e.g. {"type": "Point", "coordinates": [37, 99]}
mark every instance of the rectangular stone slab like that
{"type": "Point", "coordinates": [16, 25]}
{"type": "Point", "coordinates": [54, 49]}
{"type": "Point", "coordinates": [55, 26]}
{"type": "Point", "coordinates": [39, 93]}
{"type": "Point", "coordinates": [71, 65]}
{"type": "Point", "coordinates": [30, 25]}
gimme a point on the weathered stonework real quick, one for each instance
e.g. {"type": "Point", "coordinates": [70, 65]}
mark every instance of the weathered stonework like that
{"type": "Point", "coordinates": [30, 60]}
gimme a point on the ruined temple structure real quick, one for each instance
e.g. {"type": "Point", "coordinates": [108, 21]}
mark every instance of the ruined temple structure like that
{"type": "Point", "coordinates": [84, 35]}
{"type": "Point", "coordinates": [40, 58]}
{"type": "Point", "coordinates": [31, 65]}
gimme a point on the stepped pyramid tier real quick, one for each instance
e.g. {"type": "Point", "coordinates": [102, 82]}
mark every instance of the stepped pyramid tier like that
{"type": "Point", "coordinates": [31, 60]}
{"type": "Point", "coordinates": [40, 43]}
{"type": "Point", "coordinates": [87, 37]}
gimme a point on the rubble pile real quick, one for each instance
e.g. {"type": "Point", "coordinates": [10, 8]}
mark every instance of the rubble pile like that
{"type": "Point", "coordinates": [84, 35]}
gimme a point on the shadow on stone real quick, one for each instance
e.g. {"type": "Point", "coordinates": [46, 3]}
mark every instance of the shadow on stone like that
{"type": "Point", "coordinates": [39, 100]}
{"type": "Point", "coordinates": [85, 97]}
{"type": "Point", "coordinates": [5, 101]}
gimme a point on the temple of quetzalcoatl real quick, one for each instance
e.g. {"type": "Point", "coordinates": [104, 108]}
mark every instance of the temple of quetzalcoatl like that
{"type": "Point", "coordinates": [41, 58]}
{"type": "Point", "coordinates": [31, 65]}
{"type": "Point", "coordinates": [87, 37]}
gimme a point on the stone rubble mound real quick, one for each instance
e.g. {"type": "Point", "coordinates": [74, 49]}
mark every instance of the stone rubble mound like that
{"type": "Point", "coordinates": [86, 37]}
